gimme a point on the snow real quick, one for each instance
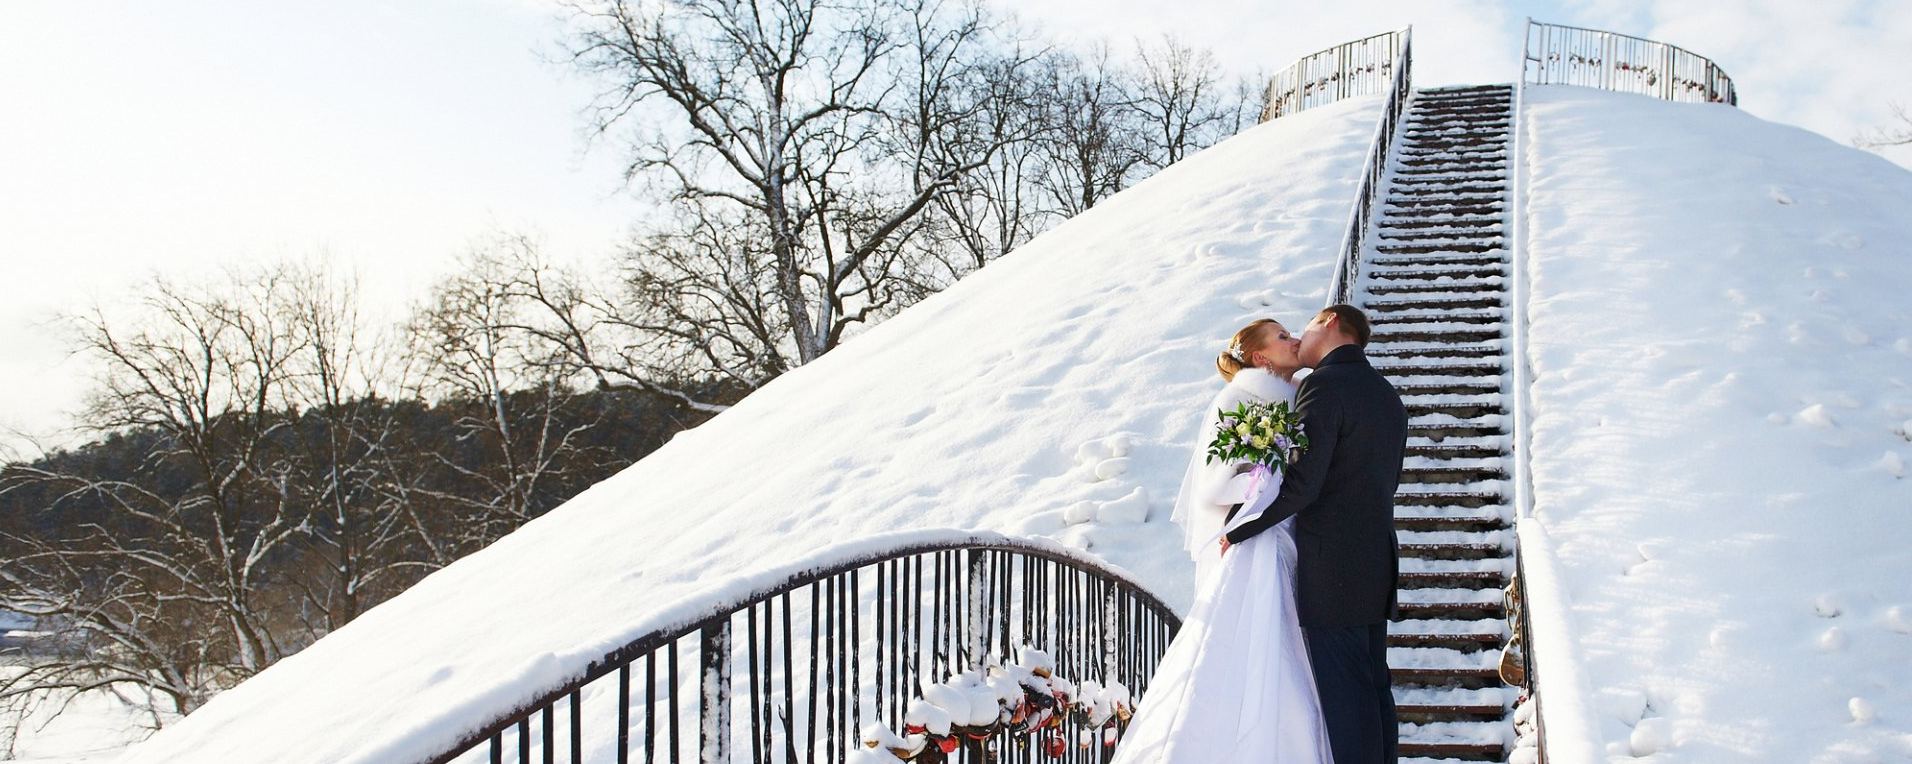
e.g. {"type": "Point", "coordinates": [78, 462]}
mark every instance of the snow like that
{"type": "Point", "coordinates": [1717, 331]}
{"type": "Point", "coordinates": [969, 410]}
{"type": "Point", "coordinates": [1720, 356]}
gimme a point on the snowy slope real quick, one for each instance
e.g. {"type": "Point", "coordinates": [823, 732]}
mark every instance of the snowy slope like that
{"type": "Point", "coordinates": [965, 411]}
{"type": "Point", "coordinates": [1721, 334]}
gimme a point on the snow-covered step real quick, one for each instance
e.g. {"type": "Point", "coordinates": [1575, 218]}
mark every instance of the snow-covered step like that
{"type": "Point", "coordinates": [1492, 318]}
{"type": "Point", "coordinates": [1458, 413]}
{"type": "Point", "coordinates": [1421, 349]}
{"type": "Point", "coordinates": [1463, 334]}
{"type": "Point", "coordinates": [1484, 517]}
{"type": "Point", "coordinates": [1427, 660]}
{"type": "Point", "coordinates": [1451, 603]}
{"type": "Point", "coordinates": [1440, 221]}
{"type": "Point", "coordinates": [1445, 450]}
{"type": "Point", "coordinates": [1470, 120]}
{"type": "Point", "coordinates": [1480, 204]}
{"type": "Point", "coordinates": [1489, 286]}
{"type": "Point", "coordinates": [1423, 702]}
{"type": "Point", "coordinates": [1460, 740]}
{"type": "Point", "coordinates": [1464, 573]}
{"type": "Point", "coordinates": [1440, 321]}
{"type": "Point", "coordinates": [1426, 249]}
{"type": "Point", "coordinates": [1439, 263]}
{"type": "Point", "coordinates": [1491, 150]}
{"type": "Point", "coordinates": [1434, 238]}
{"type": "Point", "coordinates": [1497, 442]}
{"type": "Point", "coordinates": [1454, 498]}
{"type": "Point", "coordinates": [1455, 142]}
{"type": "Point", "coordinates": [1437, 366]}
{"type": "Point", "coordinates": [1416, 397]}
{"type": "Point", "coordinates": [1474, 193]}
{"type": "Point", "coordinates": [1437, 478]}
{"type": "Point", "coordinates": [1496, 486]}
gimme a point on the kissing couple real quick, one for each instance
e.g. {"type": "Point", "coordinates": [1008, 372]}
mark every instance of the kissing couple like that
{"type": "Point", "coordinates": [1283, 657]}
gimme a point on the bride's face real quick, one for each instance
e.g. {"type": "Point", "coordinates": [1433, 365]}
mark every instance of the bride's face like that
{"type": "Point", "coordinates": [1283, 350]}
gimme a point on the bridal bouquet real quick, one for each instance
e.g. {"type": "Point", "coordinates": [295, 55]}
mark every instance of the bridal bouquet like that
{"type": "Point", "coordinates": [1268, 434]}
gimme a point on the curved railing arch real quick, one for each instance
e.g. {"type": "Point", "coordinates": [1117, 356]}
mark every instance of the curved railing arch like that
{"type": "Point", "coordinates": [824, 648]}
{"type": "Point", "coordinates": [1557, 54]}
{"type": "Point", "coordinates": [1363, 67]}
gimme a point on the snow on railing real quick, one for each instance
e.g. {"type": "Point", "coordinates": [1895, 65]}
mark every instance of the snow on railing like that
{"type": "Point", "coordinates": [1568, 728]}
{"type": "Point", "coordinates": [1400, 86]}
{"type": "Point", "coordinates": [1362, 67]}
{"type": "Point", "coordinates": [796, 664]}
{"type": "Point", "coordinates": [1564, 55]}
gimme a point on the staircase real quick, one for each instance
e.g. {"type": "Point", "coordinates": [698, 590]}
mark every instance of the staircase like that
{"type": "Point", "coordinates": [1434, 281]}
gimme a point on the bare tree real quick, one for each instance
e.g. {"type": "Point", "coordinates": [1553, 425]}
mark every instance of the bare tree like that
{"type": "Point", "coordinates": [365, 541]}
{"type": "Point", "coordinates": [801, 144]}
{"type": "Point", "coordinates": [1897, 134]}
{"type": "Point", "coordinates": [475, 347]}
{"type": "Point", "coordinates": [1095, 145]}
{"type": "Point", "coordinates": [156, 580]}
{"type": "Point", "coordinates": [1179, 97]}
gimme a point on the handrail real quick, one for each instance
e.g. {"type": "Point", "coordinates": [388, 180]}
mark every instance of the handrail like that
{"type": "Point", "coordinates": [1362, 67]}
{"type": "Point", "coordinates": [825, 648]}
{"type": "Point", "coordinates": [1400, 86]}
{"type": "Point", "coordinates": [1566, 726]}
{"type": "Point", "coordinates": [1565, 55]}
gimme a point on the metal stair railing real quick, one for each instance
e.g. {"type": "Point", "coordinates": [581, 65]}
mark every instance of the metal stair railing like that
{"type": "Point", "coordinates": [790, 671]}
{"type": "Point", "coordinates": [1368, 194]}
{"type": "Point", "coordinates": [1556, 54]}
{"type": "Point", "coordinates": [1362, 67]}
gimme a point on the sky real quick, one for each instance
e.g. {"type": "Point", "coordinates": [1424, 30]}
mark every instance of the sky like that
{"type": "Point", "coordinates": [141, 138]}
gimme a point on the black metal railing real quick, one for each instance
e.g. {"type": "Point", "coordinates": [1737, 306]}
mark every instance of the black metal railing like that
{"type": "Point", "coordinates": [1564, 55]}
{"type": "Point", "coordinates": [1362, 67]}
{"type": "Point", "coordinates": [791, 672]}
{"type": "Point", "coordinates": [1369, 193]}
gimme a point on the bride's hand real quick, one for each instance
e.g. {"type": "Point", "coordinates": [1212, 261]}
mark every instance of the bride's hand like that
{"type": "Point", "coordinates": [1225, 545]}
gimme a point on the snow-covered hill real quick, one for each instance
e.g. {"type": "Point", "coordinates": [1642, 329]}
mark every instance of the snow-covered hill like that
{"type": "Point", "coordinates": [1722, 352]}
{"type": "Point", "coordinates": [1721, 334]}
{"type": "Point", "coordinates": [966, 411]}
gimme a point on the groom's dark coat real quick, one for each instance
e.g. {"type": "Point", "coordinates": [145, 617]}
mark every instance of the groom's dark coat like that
{"type": "Point", "coordinates": [1342, 493]}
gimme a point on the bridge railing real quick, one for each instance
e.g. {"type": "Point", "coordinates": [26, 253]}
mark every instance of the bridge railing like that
{"type": "Point", "coordinates": [1400, 86]}
{"type": "Point", "coordinates": [1562, 55]}
{"type": "Point", "coordinates": [792, 672]}
{"type": "Point", "coordinates": [1363, 67]}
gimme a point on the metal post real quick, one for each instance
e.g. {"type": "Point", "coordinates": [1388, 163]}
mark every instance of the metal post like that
{"type": "Point", "coordinates": [713, 731]}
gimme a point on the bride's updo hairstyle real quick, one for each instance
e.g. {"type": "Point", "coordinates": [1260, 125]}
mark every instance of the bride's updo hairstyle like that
{"type": "Point", "coordinates": [1247, 340]}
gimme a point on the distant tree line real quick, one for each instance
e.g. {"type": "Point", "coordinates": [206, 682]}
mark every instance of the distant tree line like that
{"type": "Point", "coordinates": [268, 464]}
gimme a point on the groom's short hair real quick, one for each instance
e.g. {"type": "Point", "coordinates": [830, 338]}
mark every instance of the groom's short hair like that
{"type": "Point", "coordinates": [1351, 320]}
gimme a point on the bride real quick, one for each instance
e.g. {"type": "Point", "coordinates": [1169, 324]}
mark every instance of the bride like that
{"type": "Point", "coordinates": [1235, 685]}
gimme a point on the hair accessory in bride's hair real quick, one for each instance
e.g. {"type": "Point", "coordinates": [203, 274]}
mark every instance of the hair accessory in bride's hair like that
{"type": "Point", "coordinates": [1234, 350]}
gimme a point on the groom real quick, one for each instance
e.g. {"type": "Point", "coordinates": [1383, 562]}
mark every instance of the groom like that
{"type": "Point", "coordinates": [1341, 492]}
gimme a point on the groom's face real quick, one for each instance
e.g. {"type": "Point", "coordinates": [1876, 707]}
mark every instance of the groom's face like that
{"type": "Point", "coordinates": [1315, 340]}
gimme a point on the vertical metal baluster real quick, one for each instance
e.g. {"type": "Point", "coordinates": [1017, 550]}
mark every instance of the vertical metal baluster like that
{"type": "Point", "coordinates": [650, 706]}
{"type": "Point", "coordinates": [577, 727]}
{"type": "Point", "coordinates": [545, 752]}
{"type": "Point", "coordinates": [757, 673]}
{"type": "Point", "coordinates": [624, 714]}
{"type": "Point", "coordinates": [936, 621]}
{"type": "Point", "coordinates": [713, 692]}
{"type": "Point", "coordinates": [670, 686]}
{"type": "Point", "coordinates": [856, 664]}
{"type": "Point", "coordinates": [524, 740]}
{"type": "Point", "coordinates": [769, 679]}
{"type": "Point", "coordinates": [882, 601]}
{"type": "Point", "coordinates": [789, 682]}
{"type": "Point", "coordinates": [498, 748]}
{"type": "Point", "coordinates": [810, 700]}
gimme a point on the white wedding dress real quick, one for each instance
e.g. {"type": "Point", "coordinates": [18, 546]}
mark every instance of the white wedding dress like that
{"type": "Point", "coordinates": [1235, 685]}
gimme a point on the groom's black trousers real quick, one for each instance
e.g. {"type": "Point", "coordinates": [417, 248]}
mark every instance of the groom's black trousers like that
{"type": "Point", "coordinates": [1357, 700]}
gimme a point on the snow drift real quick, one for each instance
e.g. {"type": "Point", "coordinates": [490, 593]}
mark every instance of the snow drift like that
{"type": "Point", "coordinates": [1720, 330]}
